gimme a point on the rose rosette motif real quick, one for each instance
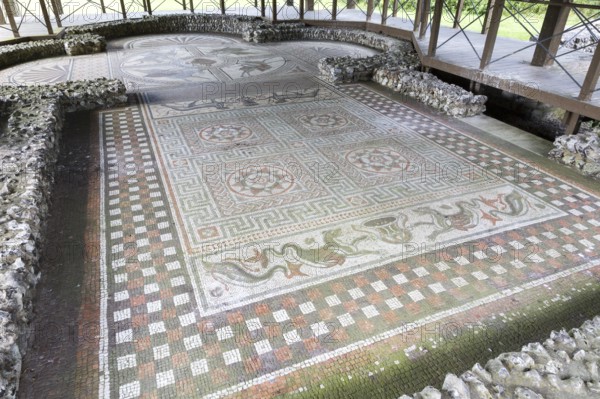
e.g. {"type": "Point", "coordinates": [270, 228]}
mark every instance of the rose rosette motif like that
{"type": "Point", "coordinates": [378, 160]}
{"type": "Point", "coordinates": [324, 121]}
{"type": "Point", "coordinates": [225, 134]}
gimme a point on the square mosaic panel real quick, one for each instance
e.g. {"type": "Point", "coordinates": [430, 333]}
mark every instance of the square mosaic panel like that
{"type": "Point", "coordinates": [222, 302]}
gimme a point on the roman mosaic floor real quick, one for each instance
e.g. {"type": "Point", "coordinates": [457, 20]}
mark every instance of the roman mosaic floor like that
{"type": "Point", "coordinates": [262, 232]}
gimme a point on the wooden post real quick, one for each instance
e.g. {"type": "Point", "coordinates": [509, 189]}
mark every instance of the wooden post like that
{"type": "Point", "coordinates": [11, 18]}
{"type": "Point", "coordinates": [14, 6]}
{"type": "Point", "coordinates": [184, 4]}
{"type": "Point", "coordinates": [222, 3]}
{"type": "Point", "coordinates": [488, 17]}
{"type": "Point", "coordinates": [591, 78]}
{"type": "Point", "coordinates": [490, 39]}
{"type": "Point", "coordinates": [263, 8]}
{"type": "Point", "coordinates": [435, 27]}
{"type": "Point", "coordinates": [192, 6]}
{"type": "Point", "coordinates": [370, 7]}
{"type": "Point", "coordinates": [301, 11]}
{"type": "Point", "coordinates": [123, 9]}
{"type": "Point", "coordinates": [334, 10]}
{"type": "Point", "coordinates": [550, 34]}
{"type": "Point", "coordinates": [458, 15]}
{"type": "Point", "coordinates": [571, 121]}
{"type": "Point", "coordinates": [2, 20]}
{"type": "Point", "coordinates": [149, 4]}
{"type": "Point", "coordinates": [56, 13]}
{"type": "Point", "coordinates": [46, 17]}
{"type": "Point", "coordinates": [418, 12]}
{"type": "Point", "coordinates": [384, 11]}
{"type": "Point", "coordinates": [424, 18]}
{"type": "Point", "coordinates": [289, 3]}
{"type": "Point", "coordinates": [350, 4]}
{"type": "Point", "coordinates": [274, 10]}
{"type": "Point", "coordinates": [102, 7]}
{"type": "Point", "coordinates": [395, 8]}
{"type": "Point", "coordinates": [310, 5]}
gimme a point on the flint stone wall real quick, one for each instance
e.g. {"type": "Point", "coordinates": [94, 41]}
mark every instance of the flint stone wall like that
{"type": "Point", "coordinates": [178, 23]}
{"type": "Point", "coordinates": [581, 151]}
{"type": "Point", "coordinates": [563, 366]}
{"type": "Point", "coordinates": [448, 98]}
{"type": "Point", "coordinates": [28, 152]}
{"type": "Point", "coordinates": [33, 50]}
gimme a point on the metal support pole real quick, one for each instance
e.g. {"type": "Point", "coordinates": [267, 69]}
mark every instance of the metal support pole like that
{"type": "Point", "coordinates": [301, 11]}
{"type": "Point", "coordinates": [274, 10]}
{"type": "Point", "coordinates": [222, 4]}
{"type": "Point", "coordinates": [350, 4]}
{"type": "Point", "coordinates": [310, 5]}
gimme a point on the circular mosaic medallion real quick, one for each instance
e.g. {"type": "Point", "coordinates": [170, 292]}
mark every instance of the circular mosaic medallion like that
{"type": "Point", "coordinates": [324, 121]}
{"type": "Point", "coordinates": [225, 134]}
{"type": "Point", "coordinates": [378, 160]}
{"type": "Point", "coordinates": [260, 181]}
{"type": "Point", "coordinates": [153, 42]}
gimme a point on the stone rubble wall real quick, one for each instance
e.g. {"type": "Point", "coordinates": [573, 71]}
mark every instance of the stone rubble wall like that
{"type": "Point", "coordinates": [448, 98]}
{"type": "Point", "coordinates": [350, 69]}
{"type": "Point", "coordinates": [563, 366]}
{"type": "Point", "coordinates": [581, 151]}
{"type": "Point", "coordinates": [33, 50]}
{"type": "Point", "coordinates": [177, 23]}
{"type": "Point", "coordinates": [28, 152]}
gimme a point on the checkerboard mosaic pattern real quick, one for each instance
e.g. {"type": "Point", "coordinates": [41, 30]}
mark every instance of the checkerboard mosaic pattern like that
{"type": "Point", "coordinates": [162, 343]}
